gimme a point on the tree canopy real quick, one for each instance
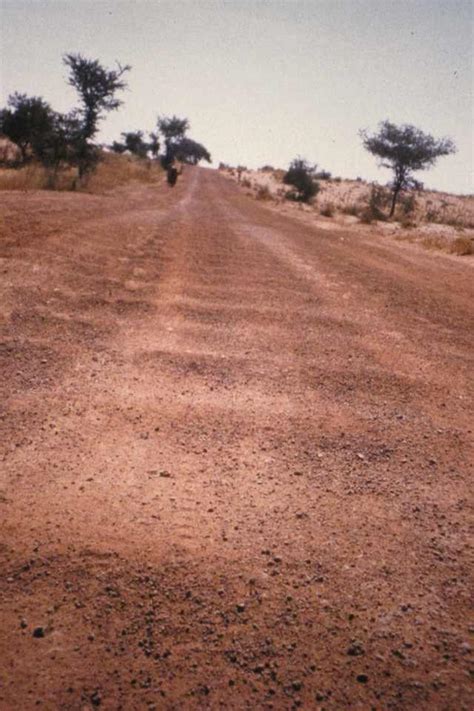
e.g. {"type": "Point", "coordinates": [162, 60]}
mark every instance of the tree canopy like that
{"type": "Point", "coordinates": [26, 121]}
{"type": "Point", "coordinates": [189, 151]}
{"type": "Point", "coordinates": [178, 145]}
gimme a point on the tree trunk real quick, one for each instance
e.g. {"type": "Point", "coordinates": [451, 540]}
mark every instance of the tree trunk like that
{"type": "Point", "coordinates": [396, 190]}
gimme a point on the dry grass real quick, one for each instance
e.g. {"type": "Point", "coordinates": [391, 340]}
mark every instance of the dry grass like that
{"type": "Point", "coordinates": [435, 242]}
{"type": "Point", "coordinates": [327, 210]}
{"type": "Point", "coordinates": [263, 193]}
{"type": "Point", "coordinates": [462, 246]}
{"type": "Point", "coordinates": [112, 171]}
{"type": "Point", "coordinates": [116, 170]}
{"type": "Point", "coordinates": [31, 177]}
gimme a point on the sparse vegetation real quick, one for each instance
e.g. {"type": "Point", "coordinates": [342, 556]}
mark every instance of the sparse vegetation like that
{"type": "Point", "coordinates": [58, 141]}
{"type": "Point", "coordinates": [405, 149]}
{"type": "Point", "coordinates": [97, 89]}
{"type": "Point", "coordinates": [263, 193]}
{"type": "Point", "coordinates": [327, 210]}
{"type": "Point", "coordinates": [112, 170]}
{"type": "Point", "coordinates": [352, 210]}
{"type": "Point", "coordinates": [377, 201]}
{"type": "Point", "coordinates": [462, 246]}
{"type": "Point", "coordinates": [323, 175]}
{"type": "Point", "coordinates": [300, 175]}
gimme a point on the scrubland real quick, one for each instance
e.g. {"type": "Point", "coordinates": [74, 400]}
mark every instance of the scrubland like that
{"type": "Point", "coordinates": [435, 220]}
{"type": "Point", "coordinates": [113, 170]}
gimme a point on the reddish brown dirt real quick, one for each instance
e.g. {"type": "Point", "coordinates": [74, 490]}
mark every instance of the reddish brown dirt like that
{"type": "Point", "coordinates": [235, 458]}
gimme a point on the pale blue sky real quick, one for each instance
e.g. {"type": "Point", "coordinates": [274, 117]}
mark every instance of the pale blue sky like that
{"type": "Point", "coordinates": [262, 82]}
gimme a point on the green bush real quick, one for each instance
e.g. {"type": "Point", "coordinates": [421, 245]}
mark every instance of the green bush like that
{"type": "Point", "coordinates": [300, 175]}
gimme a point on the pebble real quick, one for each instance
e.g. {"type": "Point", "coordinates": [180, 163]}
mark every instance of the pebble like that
{"type": "Point", "coordinates": [355, 650]}
{"type": "Point", "coordinates": [38, 632]}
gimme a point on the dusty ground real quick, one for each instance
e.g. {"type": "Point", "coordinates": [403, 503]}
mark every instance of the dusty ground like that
{"type": "Point", "coordinates": [235, 458]}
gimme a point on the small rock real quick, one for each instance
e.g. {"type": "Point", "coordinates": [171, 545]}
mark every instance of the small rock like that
{"type": "Point", "coordinates": [165, 474]}
{"type": "Point", "coordinates": [23, 623]}
{"type": "Point", "coordinates": [38, 632]}
{"type": "Point", "coordinates": [240, 607]}
{"type": "Point", "coordinates": [362, 678]}
{"type": "Point", "coordinates": [355, 650]}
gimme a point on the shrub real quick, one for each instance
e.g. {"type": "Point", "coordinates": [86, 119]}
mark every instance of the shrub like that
{"type": "Point", "coordinates": [407, 222]}
{"type": "Point", "coordinates": [300, 176]}
{"type": "Point", "coordinates": [323, 175]}
{"type": "Point", "coordinates": [267, 169]}
{"type": "Point", "coordinates": [350, 210]}
{"type": "Point", "coordinates": [408, 204]}
{"type": "Point", "coordinates": [433, 215]}
{"type": "Point", "coordinates": [246, 183]}
{"type": "Point", "coordinates": [263, 193]}
{"type": "Point", "coordinates": [377, 201]}
{"type": "Point", "coordinates": [327, 210]}
{"type": "Point", "coordinates": [434, 242]}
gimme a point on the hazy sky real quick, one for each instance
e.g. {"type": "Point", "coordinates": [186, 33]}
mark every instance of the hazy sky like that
{"type": "Point", "coordinates": [264, 81]}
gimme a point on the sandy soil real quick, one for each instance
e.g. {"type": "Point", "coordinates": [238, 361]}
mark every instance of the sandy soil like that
{"type": "Point", "coordinates": [235, 458]}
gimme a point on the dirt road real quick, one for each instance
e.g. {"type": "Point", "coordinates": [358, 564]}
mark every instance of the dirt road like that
{"type": "Point", "coordinates": [235, 458]}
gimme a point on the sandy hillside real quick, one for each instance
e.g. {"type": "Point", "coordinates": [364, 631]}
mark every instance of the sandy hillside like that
{"type": "Point", "coordinates": [433, 219]}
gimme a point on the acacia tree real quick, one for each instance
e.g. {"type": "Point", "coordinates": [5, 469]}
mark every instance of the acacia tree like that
{"type": "Point", "coordinates": [57, 146]}
{"type": "Point", "coordinates": [97, 88]}
{"type": "Point", "coordinates": [26, 121]}
{"type": "Point", "coordinates": [192, 152]}
{"type": "Point", "coordinates": [154, 144]}
{"type": "Point", "coordinates": [133, 142]}
{"type": "Point", "coordinates": [173, 130]}
{"type": "Point", "coordinates": [405, 149]}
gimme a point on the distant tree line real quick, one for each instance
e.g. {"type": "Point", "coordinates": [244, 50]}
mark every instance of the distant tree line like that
{"type": "Point", "coordinates": [59, 140]}
{"type": "Point", "coordinates": [177, 145]}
